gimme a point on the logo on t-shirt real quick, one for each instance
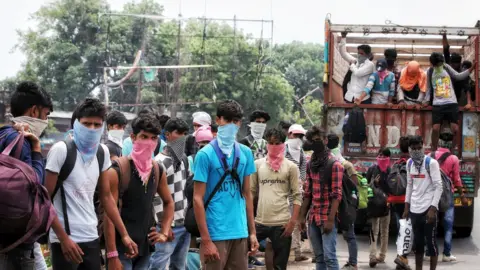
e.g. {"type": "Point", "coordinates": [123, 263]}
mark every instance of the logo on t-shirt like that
{"type": "Point", "coordinates": [273, 181]}
{"type": "Point", "coordinates": [230, 186]}
{"type": "Point", "coordinates": [442, 87]}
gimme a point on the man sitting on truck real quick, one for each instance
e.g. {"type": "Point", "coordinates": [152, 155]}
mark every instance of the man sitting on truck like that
{"type": "Point", "coordinates": [450, 165]}
{"type": "Point", "coordinates": [444, 101]}
{"type": "Point", "coordinates": [412, 85]}
{"type": "Point", "coordinates": [361, 68]}
{"type": "Point", "coordinates": [380, 86]}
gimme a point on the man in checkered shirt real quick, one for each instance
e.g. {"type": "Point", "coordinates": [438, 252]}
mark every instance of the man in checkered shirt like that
{"type": "Point", "coordinates": [174, 160]}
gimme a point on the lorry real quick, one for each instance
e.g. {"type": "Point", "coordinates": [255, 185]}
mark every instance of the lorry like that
{"type": "Point", "coordinates": [385, 125]}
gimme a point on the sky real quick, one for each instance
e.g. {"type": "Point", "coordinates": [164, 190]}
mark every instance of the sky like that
{"type": "Point", "coordinates": [301, 20]}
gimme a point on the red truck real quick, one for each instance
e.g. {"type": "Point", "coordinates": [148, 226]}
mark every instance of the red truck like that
{"type": "Point", "coordinates": [386, 125]}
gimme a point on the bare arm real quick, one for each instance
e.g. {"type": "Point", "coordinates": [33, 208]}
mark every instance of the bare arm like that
{"type": "Point", "coordinates": [168, 204]}
{"type": "Point", "coordinates": [249, 202]}
{"type": "Point", "coordinates": [109, 229]}
{"type": "Point", "coordinates": [109, 203]}
{"type": "Point", "coordinates": [50, 183]}
{"type": "Point", "coordinates": [199, 209]}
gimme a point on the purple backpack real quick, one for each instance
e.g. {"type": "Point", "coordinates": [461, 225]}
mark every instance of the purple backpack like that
{"type": "Point", "coordinates": [25, 207]}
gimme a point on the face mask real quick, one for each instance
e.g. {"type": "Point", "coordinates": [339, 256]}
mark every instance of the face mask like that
{"type": "Point", "coordinates": [383, 163]}
{"type": "Point", "coordinates": [142, 157]}
{"type": "Point", "coordinates": [36, 126]}
{"type": "Point", "coordinates": [226, 137]}
{"type": "Point", "coordinates": [318, 146]}
{"type": "Point", "coordinates": [294, 147]}
{"type": "Point", "coordinates": [275, 155]}
{"type": "Point", "coordinates": [417, 156]}
{"type": "Point", "coordinates": [176, 149]}
{"type": "Point", "coordinates": [361, 59]}
{"type": "Point", "coordinates": [116, 136]}
{"type": "Point", "coordinates": [257, 130]}
{"type": "Point", "coordinates": [87, 140]}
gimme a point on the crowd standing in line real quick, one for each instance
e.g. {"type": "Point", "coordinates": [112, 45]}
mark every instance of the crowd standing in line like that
{"type": "Point", "coordinates": [130, 196]}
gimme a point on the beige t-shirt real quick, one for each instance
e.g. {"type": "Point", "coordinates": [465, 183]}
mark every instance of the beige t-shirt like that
{"type": "Point", "coordinates": [273, 189]}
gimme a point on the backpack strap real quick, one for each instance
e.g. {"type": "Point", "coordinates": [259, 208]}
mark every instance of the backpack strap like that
{"type": "Point", "coordinates": [157, 170]}
{"type": "Point", "coordinates": [125, 170]}
{"type": "Point", "coordinates": [443, 157]}
{"type": "Point", "coordinates": [186, 163]}
{"type": "Point", "coordinates": [328, 172]}
{"type": "Point", "coordinates": [430, 77]}
{"type": "Point", "coordinates": [427, 165]}
{"type": "Point", "coordinates": [100, 158]}
{"type": "Point", "coordinates": [159, 145]}
{"type": "Point", "coordinates": [19, 140]}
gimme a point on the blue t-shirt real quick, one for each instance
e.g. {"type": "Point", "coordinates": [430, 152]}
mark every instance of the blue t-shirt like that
{"type": "Point", "coordinates": [127, 147]}
{"type": "Point", "coordinates": [226, 213]}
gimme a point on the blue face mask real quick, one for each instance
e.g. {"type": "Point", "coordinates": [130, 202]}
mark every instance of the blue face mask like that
{"type": "Point", "coordinates": [226, 137]}
{"type": "Point", "coordinates": [87, 140]}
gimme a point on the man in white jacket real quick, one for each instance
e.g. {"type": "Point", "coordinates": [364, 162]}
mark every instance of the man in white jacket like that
{"type": "Point", "coordinates": [424, 189]}
{"type": "Point", "coordinates": [361, 68]}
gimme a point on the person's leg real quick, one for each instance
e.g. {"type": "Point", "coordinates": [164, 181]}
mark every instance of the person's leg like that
{"type": "Point", "coordinates": [40, 263]}
{"type": "Point", "coordinates": [178, 259]}
{"type": "Point", "coordinates": [374, 238]}
{"type": "Point", "coordinates": [238, 258]}
{"type": "Point", "coordinates": [126, 262]}
{"type": "Point", "coordinates": [59, 262]}
{"type": "Point", "coordinates": [418, 226]}
{"type": "Point", "coordinates": [269, 255]}
{"type": "Point", "coordinates": [431, 241]}
{"type": "Point", "coordinates": [317, 245]}
{"type": "Point", "coordinates": [91, 257]}
{"type": "Point", "coordinates": [349, 237]}
{"type": "Point", "coordinates": [384, 229]}
{"type": "Point", "coordinates": [297, 243]}
{"type": "Point", "coordinates": [163, 251]}
{"type": "Point", "coordinates": [281, 247]}
{"type": "Point", "coordinates": [435, 136]}
{"type": "Point", "coordinates": [330, 249]}
{"type": "Point", "coordinates": [456, 133]}
{"type": "Point", "coordinates": [448, 227]}
{"type": "Point", "coordinates": [223, 249]}
{"type": "Point", "coordinates": [18, 259]}
{"type": "Point", "coordinates": [141, 262]}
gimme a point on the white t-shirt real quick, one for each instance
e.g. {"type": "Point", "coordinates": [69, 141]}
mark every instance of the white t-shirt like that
{"type": "Point", "coordinates": [79, 190]}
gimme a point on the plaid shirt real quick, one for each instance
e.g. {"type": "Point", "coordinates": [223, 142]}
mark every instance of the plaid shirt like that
{"type": "Point", "coordinates": [321, 194]}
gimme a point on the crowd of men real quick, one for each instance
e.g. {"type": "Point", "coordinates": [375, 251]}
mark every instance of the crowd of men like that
{"type": "Point", "coordinates": [131, 196]}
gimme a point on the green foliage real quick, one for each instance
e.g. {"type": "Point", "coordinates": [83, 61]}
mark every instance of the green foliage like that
{"type": "Point", "coordinates": [51, 127]}
{"type": "Point", "coordinates": [313, 108]}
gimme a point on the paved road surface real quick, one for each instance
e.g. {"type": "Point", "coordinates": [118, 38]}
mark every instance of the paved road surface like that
{"type": "Point", "coordinates": [466, 250]}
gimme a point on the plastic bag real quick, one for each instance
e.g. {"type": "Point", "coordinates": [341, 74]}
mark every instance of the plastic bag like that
{"type": "Point", "coordinates": [405, 237]}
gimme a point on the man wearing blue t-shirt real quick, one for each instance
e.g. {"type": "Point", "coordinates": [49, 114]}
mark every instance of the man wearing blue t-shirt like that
{"type": "Point", "coordinates": [228, 221]}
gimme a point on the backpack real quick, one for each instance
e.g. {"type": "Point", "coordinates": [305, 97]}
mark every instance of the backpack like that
{"type": "Point", "coordinates": [24, 203]}
{"type": "Point", "coordinates": [377, 202]}
{"type": "Point", "coordinates": [397, 179]}
{"type": "Point", "coordinates": [355, 130]}
{"type": "Point", "coordinates": [362, 192]}
{"type": "Point", "coordinates": [190, 221]}
{"type": "Point", "coordinates": [446, 200]}
{"type": "Point", "coordinates": [65, 171]}
{"type": "Point", "coordinates": [346, 80]}
{"type": "Point", "coordinates": [347, 210]}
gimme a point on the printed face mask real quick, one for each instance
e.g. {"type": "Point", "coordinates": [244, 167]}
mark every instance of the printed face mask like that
{"type": "Point", "coordinates": [417, 156]}
{"type": "Point", "coordinates": [226, 137]}
{"type": "Point", "coordinates": [142, 157]}
{"type": "Point", "coordinates": [87, 140]}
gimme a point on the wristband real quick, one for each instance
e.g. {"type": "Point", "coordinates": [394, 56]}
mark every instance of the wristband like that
{"type": "Point", "coordinates": [112, 254]}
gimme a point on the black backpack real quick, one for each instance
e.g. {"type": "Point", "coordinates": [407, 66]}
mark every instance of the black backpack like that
{"type": "Point", "coordinates": [377, 204]}
{"type": "Point", "coordinates": [347, 210]}
{"type": "Point", "coordinates": [346, 80]}
{"type": "Point", "coordinates": [355, 130]}
{"type": "Point", "coordinates": [397, 179]}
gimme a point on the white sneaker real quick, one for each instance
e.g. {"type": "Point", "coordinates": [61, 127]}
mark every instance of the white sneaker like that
{"type": "Point", "coordinates": [450, 258]}
{"type": "Point", "coordinates": [426, 258]}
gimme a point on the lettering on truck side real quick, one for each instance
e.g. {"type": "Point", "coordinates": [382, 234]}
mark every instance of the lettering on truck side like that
{"type": "Point", "coordinates": [393, 136]}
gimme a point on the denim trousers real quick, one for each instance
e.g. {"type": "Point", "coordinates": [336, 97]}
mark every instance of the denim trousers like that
{"type": "Point", "coordinates": [325, 246]}
{"type": "Point", "coordinates": [137, 263]}
{"type": "Point", "coordinates": [172, 254]}
{"type": "Point", "coordinates": [349, 237]}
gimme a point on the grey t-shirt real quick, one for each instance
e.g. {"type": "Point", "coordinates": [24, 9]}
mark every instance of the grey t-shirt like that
{"type": "Point", "coordinates": [441, 85]}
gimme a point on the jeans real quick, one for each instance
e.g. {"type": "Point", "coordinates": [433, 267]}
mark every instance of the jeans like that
{"type": "Point", "coordinates": [39, 260]}
{"type": "Point", "coordinates": [349, 236]}
{"type": "Point", "coordinates": [172, 253]}
{"type": "Point", "coordinates": [17, 259]}
{"type": "Point", "coordinates": [137, 263]}
{"type": "Point", "coordinates": [382, 225]}
{"type": "Point", "coordinates": [281, 245]}
{"type": "Point", "coordinates": [325, 246]}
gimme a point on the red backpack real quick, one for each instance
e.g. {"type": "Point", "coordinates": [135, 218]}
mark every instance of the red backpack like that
{"type": "Point", "coordinates": [25, 207]}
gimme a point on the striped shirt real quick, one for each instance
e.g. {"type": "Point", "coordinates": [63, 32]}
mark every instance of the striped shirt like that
{"type": "Point", "coordinates": [380, 92]}
{"type": "Point", "coordinates": [302, 166]}
{"type": "Point", "coordinates": [321, 194]}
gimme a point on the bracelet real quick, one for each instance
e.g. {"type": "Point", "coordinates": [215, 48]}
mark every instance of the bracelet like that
{"type": "Point", "coordinates": [112, 254]}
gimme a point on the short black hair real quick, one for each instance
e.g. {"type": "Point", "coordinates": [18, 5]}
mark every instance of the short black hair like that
{"type": "Point", "coordinates": [277, 133]}
{"type": "Point", "coordinates": [414, 140]}
{"type": "Point", "coordinates": [455, 58]}
{"type": "Point", "coordinates": [315, 131]}
{"type": "Point", "coordinates": [259, 114]}
{"type": "Point", "coordinates": [214, 128]}
{"type": "Point", "coordinates": [404, 143]}
{"type": "Point", "coordinates": [176, 124]}
{"type": "Point", "coordinates": [446, 136]}
{"type": "Point", "coordinates": [26, 95]}
{"type": "Point", "coordinates": [365, 48]}
{"type": "Point", "coordinates": [384, 152]}
{"type": "Point", "coordinates": [390, 54]}
{"type": "Point", "coordinates": [144, 111]}
{"type": "Point", "coordinates": [284, 124]}
{"type": "Point", "coordinates": [436, 59]}
{"type": "Point", "coordinates": [116, 118]}
{"type": "Point", "coordinates": [163, 119]}
{"type": "Point", "coordinates": [146, 122]}
{"type": "Point", "coordinates": [467, 64]}
{"type": "Point", "coordinates": [333, 141]}
{"type": "Point", "coordinates": [91, 107]}
{"type": "Point", "coordinates": [230, 110]}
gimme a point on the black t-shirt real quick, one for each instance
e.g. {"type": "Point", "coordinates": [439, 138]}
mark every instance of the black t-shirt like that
{"type": "Point", "coordinates": [137, 210]}
{"type": "Point", "coordinates": [114, 149]}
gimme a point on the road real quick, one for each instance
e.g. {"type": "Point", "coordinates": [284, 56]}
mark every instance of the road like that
{"type": "Point", "coordinates": [465, 249]}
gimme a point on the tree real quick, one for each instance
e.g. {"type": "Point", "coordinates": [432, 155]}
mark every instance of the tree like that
{"type": "Point", "coordinates": [313, 108]}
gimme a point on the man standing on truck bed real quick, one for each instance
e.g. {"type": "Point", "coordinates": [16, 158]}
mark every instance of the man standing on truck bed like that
{"type": "Point", "coordinates": [442, 94]}
{"type": "Point", "coordinates": [361, 68]}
